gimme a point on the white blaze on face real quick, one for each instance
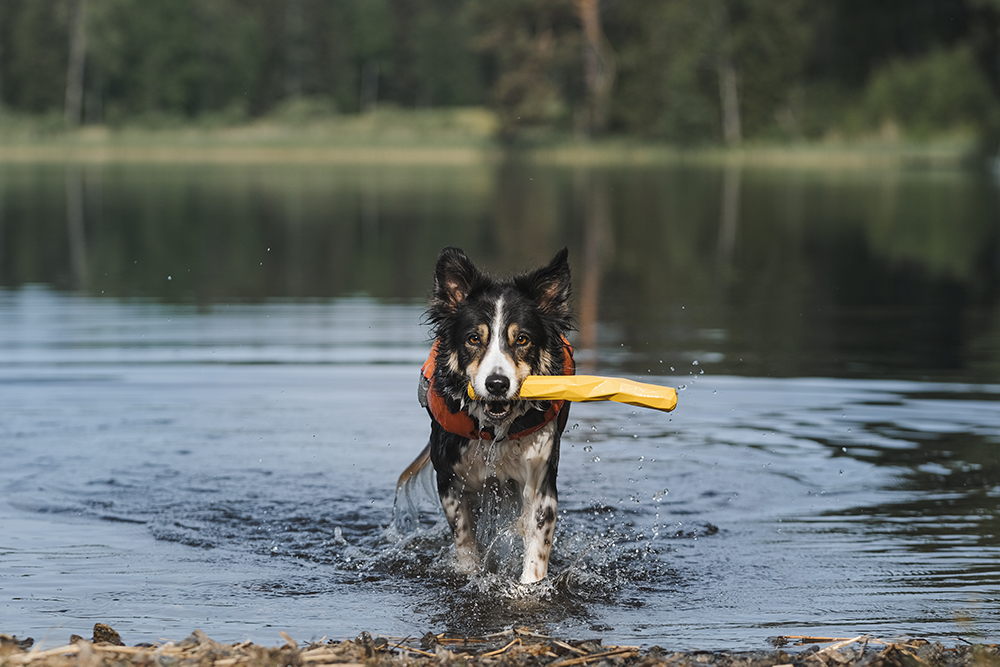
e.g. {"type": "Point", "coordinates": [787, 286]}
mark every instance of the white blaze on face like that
{"type": "Point", "coordinates": [496, 361]}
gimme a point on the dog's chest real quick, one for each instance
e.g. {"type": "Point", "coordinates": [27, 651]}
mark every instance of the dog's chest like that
{"type": "Point", "coordinates": [525, 460]}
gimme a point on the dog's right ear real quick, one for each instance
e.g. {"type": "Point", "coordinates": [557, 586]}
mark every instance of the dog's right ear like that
{"type": "Point", "coordinates": [453, 280]}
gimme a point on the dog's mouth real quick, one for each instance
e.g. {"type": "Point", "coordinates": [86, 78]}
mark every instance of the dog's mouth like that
{"type": "Point", "coordinates": [497, 411]}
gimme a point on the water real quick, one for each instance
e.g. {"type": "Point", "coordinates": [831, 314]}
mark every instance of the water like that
{"type": "Point", "coordinates": [208, 386]}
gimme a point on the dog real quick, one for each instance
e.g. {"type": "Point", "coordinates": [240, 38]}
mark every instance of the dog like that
{"type": "Point", "coordinates": [489, 334]}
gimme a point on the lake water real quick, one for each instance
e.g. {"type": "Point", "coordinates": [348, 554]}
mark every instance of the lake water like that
{"type": "Point", "coordinates": [208, 374]}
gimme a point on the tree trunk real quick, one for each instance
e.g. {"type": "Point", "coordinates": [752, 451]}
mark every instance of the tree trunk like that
{"type": "Point", "coordinates": [294, 56]}
{"type": "Point", "coordinates": [1, 73]}
{"type": "Point", "coordinates": [74, 71]}
{"type": "Point", "coordinates": [599, 65]}
{"type": "Point", "coordinates": [369, 86]}
{"type": "Point", "coordinates": [730, 97]}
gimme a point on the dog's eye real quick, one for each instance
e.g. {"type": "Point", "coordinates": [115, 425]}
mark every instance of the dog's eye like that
{"type": "Point", "coordinates": [474, 339]}
{"type": "Point", "coordinates": [522, 339]}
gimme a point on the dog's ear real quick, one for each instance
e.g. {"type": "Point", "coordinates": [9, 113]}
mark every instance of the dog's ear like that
{"type": "Point", "coordinates": [549, 286]}
{"type": "Point", "coordinates": [453, 280]}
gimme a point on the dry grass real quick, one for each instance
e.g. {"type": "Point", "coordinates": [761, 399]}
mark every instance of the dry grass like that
{"type": "Point", "coordinates": [427, 137]}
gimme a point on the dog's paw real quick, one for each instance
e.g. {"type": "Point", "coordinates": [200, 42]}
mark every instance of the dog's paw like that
{"type": "Point", "coordinates": [467, 561]}
{"type": "Point", "coordinates": [533, 574]}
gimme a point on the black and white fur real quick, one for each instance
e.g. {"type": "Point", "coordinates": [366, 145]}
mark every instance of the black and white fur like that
{"type": "Point", "coordinates": [493, 333]}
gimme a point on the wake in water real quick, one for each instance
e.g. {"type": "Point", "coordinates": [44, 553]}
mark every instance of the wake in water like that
{"type": "Point", "coordinates": [591, 561]}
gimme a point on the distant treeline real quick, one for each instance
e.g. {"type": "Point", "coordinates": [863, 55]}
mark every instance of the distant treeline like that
{"type": "Point", "coordinates": [679, 70]}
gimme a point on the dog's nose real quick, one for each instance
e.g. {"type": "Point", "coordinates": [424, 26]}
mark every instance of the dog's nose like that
{"type": "Point", "coordinates": [497, 385]}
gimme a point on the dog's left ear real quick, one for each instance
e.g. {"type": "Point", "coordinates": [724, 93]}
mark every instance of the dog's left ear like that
{"type": "Point", "coordinates": [549, 286]}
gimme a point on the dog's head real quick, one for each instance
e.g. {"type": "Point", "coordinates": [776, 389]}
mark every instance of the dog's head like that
{"type": "Point", "coordinates": [493, 333]}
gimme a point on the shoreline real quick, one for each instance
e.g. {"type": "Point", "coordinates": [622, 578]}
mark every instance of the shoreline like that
{"type": "Point", "coordinates": [457, 139]}
{"type": "Point", "coordinates": [794, 157]}
{"type": "Point", "coordinates": [520, 647]}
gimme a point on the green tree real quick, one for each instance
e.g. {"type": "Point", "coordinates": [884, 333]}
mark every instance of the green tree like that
{"type": "Point", "coordinates": [446, 71]}
{"type": "Point", "coordinates": [35, 80]}
{"type": "Point", "coordinates": [667, 84]}
{"type": "Point", "coordinates": [173, 56]}
{"type": "Point", "coordinates": [534, 48]}
{"type": "Point", "coordinates": [944, 89]}
{"type": "Point", "coordinates": [693, 70]}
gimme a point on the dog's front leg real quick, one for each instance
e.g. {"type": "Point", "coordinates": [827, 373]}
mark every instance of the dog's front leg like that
{"type": "Point", "coordinates": [458, 511]}
{"type": "Point", "coordinates": [538, 525]}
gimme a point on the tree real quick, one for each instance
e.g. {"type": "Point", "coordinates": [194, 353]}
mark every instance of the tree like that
{"type": "Point", "coordinates": [444, 69]}
{"type": "Point", "coordinates": [695, 70]}
{"type": "Point", "coordinates": [75, 68]}
{"type": "Point", "coordinates": [599, 66]}
{"type": "Point", "coordinates": [35, 80]}
{"type": "Point", "coordinates": [534, 50]}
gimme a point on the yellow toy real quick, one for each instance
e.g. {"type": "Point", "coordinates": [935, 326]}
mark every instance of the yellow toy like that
{"type": "Point", "coordinates": [596, 388]}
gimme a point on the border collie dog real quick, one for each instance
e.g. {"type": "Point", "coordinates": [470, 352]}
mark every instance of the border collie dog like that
{"type": "Point", "coordinates": [489, 334]}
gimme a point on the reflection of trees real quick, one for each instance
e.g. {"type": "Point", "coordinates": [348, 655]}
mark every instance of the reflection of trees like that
{"type": "Point", "coordinates": [591, 191]}
{"type": "Point", "coordinates": [792, 273]}
{"type": "Point", "coordinates": [814, 284]}
{"type": "Point", "coordinates": [729, 218]}
{"type": "Point", "coordinates": [529, 216]}
{"type": "Point", "coordinates": [955, 474]}
{"type": "Point", "coordinates": [210, 228]}
{"type": "Point", "coordinates": [75, 223]}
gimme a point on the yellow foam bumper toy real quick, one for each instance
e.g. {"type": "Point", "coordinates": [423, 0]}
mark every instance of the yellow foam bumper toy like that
{"type": "Point", "coordinates": [582, 388]}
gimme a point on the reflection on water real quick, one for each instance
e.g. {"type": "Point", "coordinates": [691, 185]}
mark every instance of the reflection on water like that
{"type": "Point", "coordinates": [208, 385]}
{"type": "Point", "coordinates": [776, 273]}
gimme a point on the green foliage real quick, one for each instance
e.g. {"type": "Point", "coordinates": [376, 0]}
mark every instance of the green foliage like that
{"type": "Point", "coordinates": [942, 90]}
{"type": "Point", "coordinates": [535, 50]}
{"type": "Point", "coordinates": [447, 72]}
{"type": "Point", "coordinates": [666, 70]}
{"type": "Point", "coordinates": [802, 69]}
{"type": "Point", "coordinates": [670, 54]}
{"type": "Point", "coordinates": [37, 38]}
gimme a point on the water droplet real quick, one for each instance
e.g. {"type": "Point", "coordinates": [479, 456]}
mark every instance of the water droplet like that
{"type": "Point", "coordinates": [843, 449]}
{"type": "Point", "coordinates": [596, 459]}
{"type": "Point", "coordinates": [594, 429]}
{"type": "Point", "coordinates": [841, 471]}
{"type": "Point", "coordinates": [588, 448]}
{"type": "Point", "coordinates": [682, 387]}
{"type": "Point", "coordinates": [694, 363]}
{"type": "Point", "coordinates": [671, 368]}
{"type": "Point", "coordinates": [170, 277]}
{"type": "Point", "coordinates": [658, 496]}
{"type": "Point", "coordinates": [714, 391]}
{"type": "Point", "coordinates": [576, 426]}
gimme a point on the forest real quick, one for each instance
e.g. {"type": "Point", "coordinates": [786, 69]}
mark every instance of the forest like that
{"type": "Point", "coordinates": [688, 72]}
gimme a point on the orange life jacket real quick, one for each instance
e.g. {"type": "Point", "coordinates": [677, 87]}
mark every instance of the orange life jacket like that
{"type": "Point", "coordinates": [461, 423]}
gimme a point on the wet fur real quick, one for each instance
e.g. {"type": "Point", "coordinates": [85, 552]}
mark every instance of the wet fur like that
{"type": "Point", "coordinates": [491, 331]}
